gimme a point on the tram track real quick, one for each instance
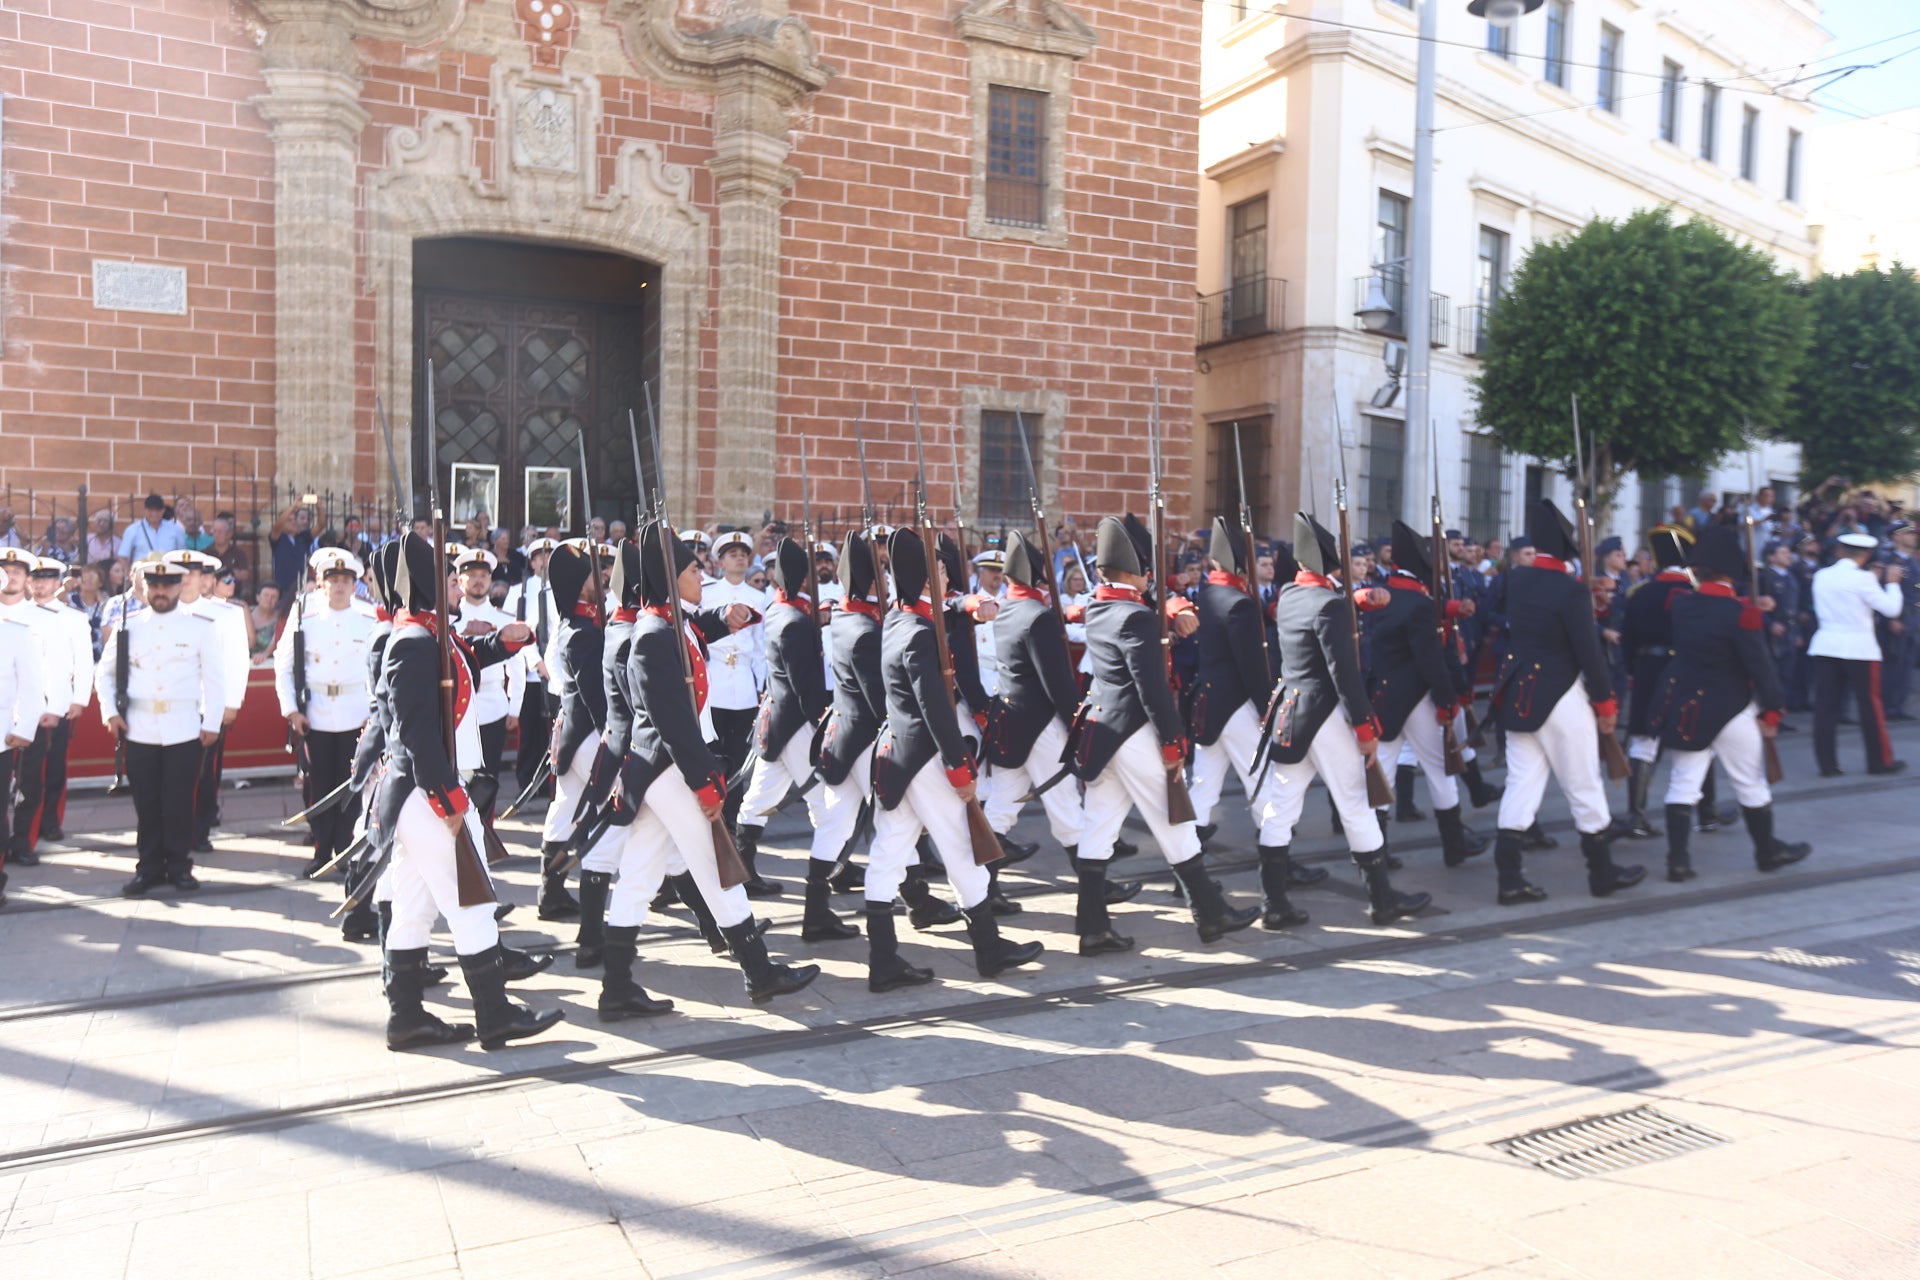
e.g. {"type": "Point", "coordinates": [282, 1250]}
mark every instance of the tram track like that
{"type": "Point", "coordinates": [750, 1045]}
{"type": "Point", "coordinates": [680, 930]}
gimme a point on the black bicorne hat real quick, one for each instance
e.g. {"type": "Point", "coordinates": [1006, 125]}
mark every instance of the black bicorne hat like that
{"type": "Point", "coordinates": [908, 557]}
{"type": "Point", "coordinates": [624, 581]}
{"type": "Point", "coordinates": [1284, 565]}
{"type": "Point", "coordinates": [1228, 547]}
{"type": "Point", "coordinates": [568, 570]}
{"type": "Point", "coordinates": [856, 566]}
{"type": "Point", "coordinates": [1118, 549]}
{"type": "Point", "coordinates": [1027, 564]}
{"type": "Point", "coordinates": [1550, 532]}
{"type": "Point", "coordinates": [1670, 545]}
{"type": "Point", "coordinates": [1718, 553]}
{"type": "Point", "coordinates": [1410, 552]}
{"type": "Point", "coordinates": [385, 560]}
{"type": "Point", "coordinates": [789, 571]}
{"type": "Point", "coordinates": [1314, 549]}
{"type": "Point", "coordinates": [658, 580]}
{"type": "Point", "coordinates": [413, 579]}
{"type": "Point", "coordinates": [952, 564]}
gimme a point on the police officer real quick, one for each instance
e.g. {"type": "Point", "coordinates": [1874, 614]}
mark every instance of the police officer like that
{"type": "Point", "coordinates": [1646, 634]}
{"type": "Point", "coordinates": [791, 708]}
{"type": "Point", "coordinates": [1128, 742]}
{"type": "Point", "coordinates": [530, 600]}
{"type": "Point", "coordinates": [500, 691]}
{"type": "Point", "coordinates": [911, 797]}
{"type": "Point", "coordinates": [1719, 700]}
{"type": "Point", "coordinates": [320, 676]}
{"type": "Point", "coordinates": [733, 696]}
{"type": "Point", "coordinates": [1554, 699]}
{"type": "Point", "coordinates": [66, 664]}
{"type": "Point", "coordinates": [22, 695]}
{"type": "Point", "coordinates": [161, 685]}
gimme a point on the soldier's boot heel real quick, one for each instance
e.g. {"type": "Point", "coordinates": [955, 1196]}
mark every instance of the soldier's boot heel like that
{"type": "Point", "coordinates": [1385, 904]}
{"type": "Point", "coordinates": [1679, 835]}
{"type": "Point", "coordinates": [1604, 877]}
{"type": "Point", "coordinates": [925, 908]}
{"type": "Point", "coordinates": [819, 923]}
{"type": "Point", "coordinates": [621, 997]}
{"type": "Point", "coordinates": [764, 979]}
{"type": "Point", "coordinates": [555, 902]}
{"type": "Point", "coordinates": [409, 1025]}
{"type": "Point", "coordinates": [1771, 853]}
{"type": "Point", "coordinates": [1458, 842]}
{"type": "Point", "coordinates": [1213, 916]}
{"type": "Point", "coordinates": [1514, 888]}
{"type": "Point", "coordinates": [997, 897]}
{"type": "Point", "coordinates": [500, 1019]}
{"type": "Point", "coordinates": [886, 971]}
{"type": "Point", "coordinates": [1276, 877]}
{"type": "Point", "coordinates": [993, 954]}
{"type": "Point", "coordinates": [1091, 920]}
{"type": "Point", "coordinates": [595, 888]}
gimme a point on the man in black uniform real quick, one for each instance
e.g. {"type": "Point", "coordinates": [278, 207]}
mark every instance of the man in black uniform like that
{"type": "Point", "coordinates": [580, 646]}
{"type": "Point", "coordinates": [1782, 584]}
{"type": "Point", "coordinates": [1721, 698]}
{"type": "Point", "coordinates": [791, 706]}
{"type": "Point", "coordinates": [859, 700]}
{"type": "Point", "coordinates": [1128, 736]}
{"type": "Point", "coordinates": [1324, 724]}
{"type": "Point", "coordinates": [1646, 635]}
{"type": "Point", "coordinates": [910, 798]}
{"type": "Point", "coordinates": [1554, 700]}
{"type": "Point", "coordinates": [1410, 671]}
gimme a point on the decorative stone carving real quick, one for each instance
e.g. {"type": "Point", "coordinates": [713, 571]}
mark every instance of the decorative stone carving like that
{"type": "Point", "coordinates": [546, 128]}
{"type": "Point", "coordinates": [1038, 26]}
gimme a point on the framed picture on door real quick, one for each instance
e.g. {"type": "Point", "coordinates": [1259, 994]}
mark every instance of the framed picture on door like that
{"type": "Point", "coordinates": [550, 497]}
{"type": "Point", "coordinates": [476, 490]}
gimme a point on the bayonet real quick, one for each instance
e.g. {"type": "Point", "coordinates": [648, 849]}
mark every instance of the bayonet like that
{"type": "Point", "coordinates": [1040, 524]}
{"type": "Point", "coordinates": [1179, 801]}
{"type": "Point", "coordinates": [1379, 792]}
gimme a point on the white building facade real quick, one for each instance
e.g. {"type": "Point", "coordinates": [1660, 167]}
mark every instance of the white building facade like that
{"type": "Point", "coordinates": [1585, 108]}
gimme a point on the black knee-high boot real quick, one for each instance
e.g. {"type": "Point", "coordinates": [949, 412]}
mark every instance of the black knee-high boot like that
{"type": "Point", "coordinates": [1480, 792]}
{"type": "Point", "coordinates": [500, 1019]}
{"type": "Point", "coordinates": [1091, 919]}
{"type": "Point", "coordinates": [1458, 842]}
{"type": "Point", "coordinates": [1679, 833]}
{"type": "Point", "coordinates": [409, 1025]}
{"type": "Point", "coordinates": [1507, 864]}
{"type": "Point", "coordinates": [620, 996]}
{"type": "Point", "coordinates": [1212, 915]}
{"type": "Point", "coordinates": [1404, 808]}
{"type": "Point", "coordinates": [886, 971]}
{"type": "Point", "coordinates": [555, 902]}
{"type": "Point", "coordinates": [1385, 904]}
{"type": "Point", "coordinates": [1770, 853]}
{"type": "Point", "coordinates": [1276, 877]}
{"type": "Point", "coordinates": [819, 923]}
{"type": "Point", "coordinates": [993, 954]}
{"type": "Point", "coordinates": [595, 888]}
{"type": "Point", "coordinates": [688, 892]}
{"type": "Point", "coordinates": [1603, 877]}
{"type": "Point", "coordinates": [764, 978]}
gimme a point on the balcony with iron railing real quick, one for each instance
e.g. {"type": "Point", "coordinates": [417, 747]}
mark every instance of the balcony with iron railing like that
{"type": "Point", "coordinates": [1389, 283]}
{"type": "Point", "coordinates": [1473, 328]}
{"type": "Point", "coordinates": [1249, 308]}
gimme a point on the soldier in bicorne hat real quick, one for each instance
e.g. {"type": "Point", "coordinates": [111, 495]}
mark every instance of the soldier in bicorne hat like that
{"type": "Point", "coordinates": [1646, 635]}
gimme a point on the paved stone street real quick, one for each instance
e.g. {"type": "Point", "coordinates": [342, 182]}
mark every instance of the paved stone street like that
{"type": "Point", "coordinates": [198, 1087]}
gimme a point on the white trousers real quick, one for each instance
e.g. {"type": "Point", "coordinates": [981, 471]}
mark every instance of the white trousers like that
{"type": "Point", "coordinates": [1421, 736]}
{"type": "Point", "coordinates": [931, 805]}
{"type": "Point", "coordinates": [771, 779]}
{"type": "Point", "coordinates": [1741, 752]}
{"type": "Point", "coordinates": [425, 883]}
{"type": "Point", "coordinates": [1004, 788]}
{"type": "Point", "coordinates": [603, 855]}
{"type": "Point", "coordinates": [834, 827]}
{"type": "Point", "coordinates": [1567, 746]}
{"type": "Point", "coordinates": [1334, 755]}
{"type": "Point", "coordinates": [670, 828]}
{"type": "Point", "coordinates": [1134, 779]}
{"type": "Point", "coordinates": [1234, 749]}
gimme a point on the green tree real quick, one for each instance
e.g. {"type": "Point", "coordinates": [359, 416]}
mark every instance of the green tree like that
{"type": "Point", "coordinates": [1672, 334]}
{"type": "Point", "coordinates": [1855, 408]}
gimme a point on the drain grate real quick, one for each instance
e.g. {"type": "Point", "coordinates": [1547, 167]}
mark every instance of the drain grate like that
{"type": "Point", "coordinates": [1608, 1144]}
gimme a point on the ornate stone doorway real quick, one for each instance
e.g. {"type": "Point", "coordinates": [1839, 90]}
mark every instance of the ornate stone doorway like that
{"type": "Point", "coordinates": [534, 348]}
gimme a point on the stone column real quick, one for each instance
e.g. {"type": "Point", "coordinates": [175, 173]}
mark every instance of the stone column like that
{"type": "Point", "coordinates": [313, 109]}
{"type": "Point", "coordinates": [751, 183]}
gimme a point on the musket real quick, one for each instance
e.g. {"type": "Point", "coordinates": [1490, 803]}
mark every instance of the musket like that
{"type": "Point", "coordinates": [1611, 753]}
{"type": "Point", "coordinates": [869, 515]}
{"type": "Point", "coordinates": [393, 464]}
{"type": "Point", "coordinates": [806, 535]}
{"type": "Point", "coordinates": [726, 855]}
{"type": "Point", "coordinates": [1775, 772]}
{"type": "Point", "coordinates": [1179, 802]}
{"type": "Point", "coordinates": [1442, 585]}
{"type": "Point", "coordinates": [470, 871]}
{"type": "Point", "coordinates": [1263, 749]}
{"type": "Point", "coordinates": [586, 526]}
{"type": "Point", "coordinates": [986, 845]}
{"type": "Point", "coordinates": [1379, 791]}
{"type": "Point", "coordinates": [1040, 524]}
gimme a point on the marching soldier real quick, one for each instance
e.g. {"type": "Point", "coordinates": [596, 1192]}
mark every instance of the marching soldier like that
{"type": "Point", "coordinates": [162, 688]}
{"type": "Point", "coordinates": [320, 676]}
{"type": "Point", "coordinates": [738, 673]}
{"type": "Point", "coordinates": [1646, 635]}
{"type": "Point", "coordinates": [795, 700]}
{"type": "Point", "coordinates": [574, 662]}
{"type": "Point", "coordinates": [1128, 743]}
{"type": "Point", "coordinates": [22, 696]}
{"type": "Point", "coordinates": [859, 699]}
{"type": "Point", "coordinates": [1409, 670]}
{"type": "Point", "coordinates": [1554, 700]}
{"type": "Point", "coordinates": [910, 798]}
{"type": "Point", "coordinates": [66, 668]}
{"type": "Point", "coordinates": [428, 804]}
{"type": "Point", "coordinates": [199, 572]}
{"type": "Point", "coordinates": [675, 784]}
{"type": "Point", "coordinates": [1324, 724]}
{"type": "Point", "coordinates": [501, 690]}
{"type": "Point", "coordinates": [1235, 682]}
{"type": "Point", "coordinates": [531, 601]}
{"type": "Point", "coordinates": [1721, 699]}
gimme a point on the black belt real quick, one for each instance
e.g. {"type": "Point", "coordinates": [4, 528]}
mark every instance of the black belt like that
{"type": "Point", "coordinates": [1653, 651]}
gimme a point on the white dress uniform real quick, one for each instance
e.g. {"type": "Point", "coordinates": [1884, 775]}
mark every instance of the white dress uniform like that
{"type": "Point", "coordinates": [22, 698]}
{"type": "Point", "coordinates": [736, 672]}
{"type": "Point", "coordinates": [497, 691]}
{"type": "Point", "coordinates": [338, 702]}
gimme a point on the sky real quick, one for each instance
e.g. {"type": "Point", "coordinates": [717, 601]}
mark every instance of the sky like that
{"type": "Point", "coordinates": [1855, 23]}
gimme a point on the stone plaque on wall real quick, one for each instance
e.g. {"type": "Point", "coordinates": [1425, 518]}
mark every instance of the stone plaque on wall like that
{"type": "Point", "coordinates": [140, 286]}
{"type": "Point", "coordinates": [545, 124]}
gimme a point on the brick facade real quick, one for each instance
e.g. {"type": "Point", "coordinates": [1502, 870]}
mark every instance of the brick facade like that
{"type": "Point", "coordinates": [137, 132]}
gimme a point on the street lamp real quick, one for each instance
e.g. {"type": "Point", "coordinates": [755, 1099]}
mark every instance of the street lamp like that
{"type": "Point", "coordinates": [1419, 291]}
{"type": "Point", "coordinates": [1376, 313]}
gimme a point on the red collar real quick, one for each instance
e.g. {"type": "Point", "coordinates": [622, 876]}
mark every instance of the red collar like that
{"type": "Point", "coordinates": [922, 606]}
{"type": "Point", "coordinates": [1401, 580]}
{"type": "Point", "coordinates": [1308, 578]}
{"type": "Point", "coordinates": [380, 614]}
{"type": "Point", "coordinates": [1221, 578]}
{"type": "Point", "coordinates": [588, 611]}
{"type": "Point", "coordinates": [1549, 562]}
{"type": "Point", "coordinates": [1116, 591]}
{"type": "Point", "coordinates": [1672, 575]}
{"type": "Point", "coordinates": [1020, 591]}
{"type": "Point", "coordinates": [418, 618]}
{"type": "Point", "coordinates": [658, 611]}
{"type": "Point", "coordinates": [624, 614]}
{"type": "Point", "coordinates": [865, 608]}
{"type": "Point", "coordinates": [1722, 589]}
{"type": "Point", "coordinates": [780, 596]}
